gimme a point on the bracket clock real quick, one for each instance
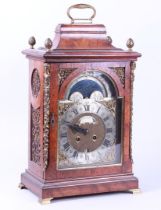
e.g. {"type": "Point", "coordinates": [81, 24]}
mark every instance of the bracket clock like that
{"type": "Point", "coordinates": [80, 111]}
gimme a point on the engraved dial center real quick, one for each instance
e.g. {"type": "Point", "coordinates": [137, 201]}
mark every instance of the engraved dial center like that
{"type": "Point", "coordinates": [90, 140]}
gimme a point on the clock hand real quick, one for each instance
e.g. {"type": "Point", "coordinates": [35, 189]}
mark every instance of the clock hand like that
{"type": "Point", "coordinates": [77, 128]}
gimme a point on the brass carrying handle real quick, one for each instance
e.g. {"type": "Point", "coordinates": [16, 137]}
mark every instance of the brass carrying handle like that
{"type": "Point", "coordinates": [81, 6]}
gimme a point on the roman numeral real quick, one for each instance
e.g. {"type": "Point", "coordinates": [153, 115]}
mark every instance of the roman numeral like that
{"type": "Point", "coordinates": [86, 107]}
{"type": "Point", "coordinates": [75, 111]}
{"type": "Point", "coordinates": [63, 135]}
{"type": "Point", "coordinates": [106, 118]}
{"type": "Point", "coordinates": [109, 130]}
{"type": "Point", "coordinates": [75, 154]}
{"type": "Point", "coordinates": [106, 143]}
{"type": "Point", "coordinates": [66, 146]}
{"type": "Point", "coordinates": [98, 109]}
{"type": "Point", "coordinates": [86, 156]}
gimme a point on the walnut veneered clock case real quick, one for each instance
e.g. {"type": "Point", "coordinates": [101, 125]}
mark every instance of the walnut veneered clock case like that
{"type": "Point", "coordinates": [80, 112]}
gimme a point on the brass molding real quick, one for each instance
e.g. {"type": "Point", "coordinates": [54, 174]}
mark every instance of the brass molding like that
{"type": "Point", "coordinates": [120, 72]}
{"type": "Point", "coordinates": [35, 83]}
{"type": "Point", "coordinates": [63, 107]}
{"type": "Point", "coordinates": [133, 65]}
{"type": "Point", "coordinates": [63, 74]}
{"type": "Point", "coordinates": [35, 135]}
{"type": "Point", "coordinates": [46, 114]}
{"type": "Point", "coordinates": [111, 105]}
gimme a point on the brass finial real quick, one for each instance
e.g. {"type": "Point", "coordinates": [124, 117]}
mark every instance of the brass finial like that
{"type": "Point", "coordinates": [48, 44]}
{"type": "Point", "coordinates": [130, 44]}
{"type": "Point", "coordinates": [32, 42]}
{"type": "Point", "coordinates": [109, 39]}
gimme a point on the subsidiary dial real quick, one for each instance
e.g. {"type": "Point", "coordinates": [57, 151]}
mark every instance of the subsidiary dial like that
{"type": "Point", "coordinates": [76, 97]}
{"type": "Point", "coordinates": [96, 95]}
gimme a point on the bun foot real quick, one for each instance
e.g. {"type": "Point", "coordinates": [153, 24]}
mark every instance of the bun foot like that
{"type": "Point", "coordinates": [135, 191]}
{"type": "Point", "coordinates": [45, 201]}
{"type": "Point", "coordinates": [22, 186]}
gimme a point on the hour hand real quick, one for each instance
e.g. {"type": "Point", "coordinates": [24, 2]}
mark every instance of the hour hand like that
{"type": "Point", "coordinates": [77, 128]}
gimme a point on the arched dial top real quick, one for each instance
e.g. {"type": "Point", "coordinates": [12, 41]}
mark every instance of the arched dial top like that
{"type": "Point", "coordinates": [91, 84]}
{"type": "Point", "coordinates": [87, 123]}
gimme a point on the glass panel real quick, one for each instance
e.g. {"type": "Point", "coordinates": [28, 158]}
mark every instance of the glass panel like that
{"type": "Point", "coordinates": [89, 123]}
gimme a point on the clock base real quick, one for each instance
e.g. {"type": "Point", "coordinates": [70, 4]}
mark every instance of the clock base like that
{"type": "Point", "coordinates": [48, 190]}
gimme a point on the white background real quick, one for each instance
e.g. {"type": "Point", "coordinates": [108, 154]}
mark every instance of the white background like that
{"type": "Point", "coordinates": [139, 19]}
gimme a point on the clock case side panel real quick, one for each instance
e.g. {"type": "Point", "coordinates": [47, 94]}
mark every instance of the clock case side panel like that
{"type": "Point", "coordinates": [127, 166]}
{"type": "Point", "coordinates": [50, 171]}
{"type": "Point", "coordinates": [36, 175]}
{"type": "Point", "coordinates": [35, 151]}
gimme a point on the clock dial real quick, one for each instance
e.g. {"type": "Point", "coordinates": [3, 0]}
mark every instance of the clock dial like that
{"type": "Point", "coordinates": [87, 136]}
